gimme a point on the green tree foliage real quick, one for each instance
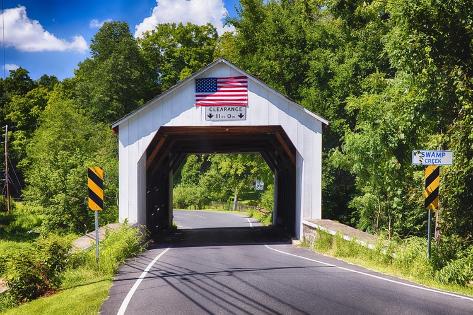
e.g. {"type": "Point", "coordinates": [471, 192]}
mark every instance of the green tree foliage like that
{"type": "Point", "coordinates": [116, 79]}
{"type": "Point", "coordinates": [23, 113]}
{"type": "Point", "coordinates": [21, 100]}
{"type": "Point", "coordinates": [64, 145]}
{"type": "Point", "coordinates": [220, 177]}
{"type": "Point", "coordinates": [175, 51]}
{"type": "Point", "coordinates": [18, 82]}
{"type": "Point", "coordinates": [390, 77]}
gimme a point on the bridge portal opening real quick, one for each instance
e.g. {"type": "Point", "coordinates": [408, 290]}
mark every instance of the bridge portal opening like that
{"type": "Point", "coordinates": [217, 183]}
{"type": "Point", "coordinates": [171, 146]}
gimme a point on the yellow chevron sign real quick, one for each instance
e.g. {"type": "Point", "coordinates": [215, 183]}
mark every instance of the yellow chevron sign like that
{"type": "Point", "coordinates": [95, 185]}
{"type": "Point", "coordinates": [432, 183]}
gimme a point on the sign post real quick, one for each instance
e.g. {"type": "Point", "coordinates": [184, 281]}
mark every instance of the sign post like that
{"type": "Point", "coordinates": [95, 200]}
{"type": "Point", "coordinates": [432, 159]}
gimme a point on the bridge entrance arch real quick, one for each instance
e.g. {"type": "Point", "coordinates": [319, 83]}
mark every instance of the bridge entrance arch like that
{"type": "Point", "coordinates": [171, 145]}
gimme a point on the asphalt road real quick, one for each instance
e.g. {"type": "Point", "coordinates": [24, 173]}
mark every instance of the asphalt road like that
{"type": "Point", "coordinates": [243, 269]}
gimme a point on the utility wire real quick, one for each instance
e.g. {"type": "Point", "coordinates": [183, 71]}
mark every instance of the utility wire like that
{"type": "Point", "coordinates": [3, 39]}
{"type": "Point", "coordinates": [16, 176]}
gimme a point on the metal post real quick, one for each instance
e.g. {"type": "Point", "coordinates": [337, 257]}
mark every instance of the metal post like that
{"type": "Point", "coordinates": [429, 219]}
{"type": "Point", "coordinates": [96, 236]}
{"type": "Point", "coordinates": [7, 179]}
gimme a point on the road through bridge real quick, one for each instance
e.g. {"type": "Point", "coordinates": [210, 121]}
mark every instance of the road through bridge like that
{"type": "Point", "coordinates": [244, 268]}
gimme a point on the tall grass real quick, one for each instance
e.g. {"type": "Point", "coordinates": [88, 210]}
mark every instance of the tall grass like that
{"type": "Point", "coordinates": [406, 258]}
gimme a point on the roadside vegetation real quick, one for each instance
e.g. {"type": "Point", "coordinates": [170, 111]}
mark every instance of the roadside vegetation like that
{"type": "Point", "coordinates": [50, 269]}
{"type": "Point", "coordinates": [450, 268]}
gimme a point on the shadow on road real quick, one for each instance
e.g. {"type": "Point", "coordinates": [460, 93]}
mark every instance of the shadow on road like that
{"type": "Point", "coordinates": [227, 236]}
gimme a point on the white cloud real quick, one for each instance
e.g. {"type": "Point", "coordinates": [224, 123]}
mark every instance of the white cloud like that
{"type": "Point", "coordinates": [29, 35]}
{"type": "Point", "coordinates": [98, 24]}
{"type": "Point", "coordinates": [198, 12]}
{"type": "Point", "coordinates": [11, 66]}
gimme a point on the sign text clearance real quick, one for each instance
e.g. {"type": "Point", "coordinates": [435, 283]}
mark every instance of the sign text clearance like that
{"type": "Point", "coordinates": [432, 157]}
{"type": "Point", "coordinates": [222, 113]}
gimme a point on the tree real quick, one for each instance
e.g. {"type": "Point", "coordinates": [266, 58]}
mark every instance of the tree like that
{"type": "Point", "coordinates": [18, 82]}
{"type": "Point", "coordinates": [47, 81]}
{"type": "Point", "coordinates": [224, 176]}
{"type": "Point", "coordinates": [175, 51]}
{"type": "Point", "coordinates": [22, 113]}
{"type": "Point", "coordinates": [63, 146]}
{"type": "Point", "coordinates": [116, 79]}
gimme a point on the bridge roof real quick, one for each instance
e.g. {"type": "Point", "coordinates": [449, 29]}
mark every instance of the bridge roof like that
{"type": "Point", "coordinates": [116, 124]}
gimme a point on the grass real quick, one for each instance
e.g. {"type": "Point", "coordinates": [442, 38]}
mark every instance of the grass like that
{"type": "Point", "coordinates": [21, 225]}
{"type": "Point", "coordinates": [406, 261]}
{"type": "Point", "coordinates": [18, 230]}
{"type": "Point", "coordinates": [85, 284]}
{"type": "Point", "coordinates": [84, 299]}
{"type": "Point", "coordinates": [265, 218]}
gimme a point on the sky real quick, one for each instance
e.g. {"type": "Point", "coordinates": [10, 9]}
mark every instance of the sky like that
{"type": "Point", "coordinates": [53, 36]}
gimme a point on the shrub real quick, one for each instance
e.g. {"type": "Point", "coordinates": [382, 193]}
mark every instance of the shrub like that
{"type": "Point", "coordinates": [185, 197]}
{"type": "Point", "coordinates": [450, 247]}
{"type": "Point", "coordinates": [411, 258]}
{"type": "Point", "coordinates": [53, 254]}
{"type": "Point", "coordinates": [9, 248]}
{"type": "Point", "coordinates": [267, 198]}
{"type": "Point", "coordinates": [459, 271]}
{"type": "Point", "coordinates": [37, 270]}
{"type": "Point", "coordinates": [23, 277]}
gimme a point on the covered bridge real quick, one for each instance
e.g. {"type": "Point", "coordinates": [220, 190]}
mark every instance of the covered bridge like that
{"type": "Point", "coordinates": [155, 139]}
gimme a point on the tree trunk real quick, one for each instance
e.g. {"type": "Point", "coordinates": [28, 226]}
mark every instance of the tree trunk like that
{"type": "Point", "coordinates": [235, 200]}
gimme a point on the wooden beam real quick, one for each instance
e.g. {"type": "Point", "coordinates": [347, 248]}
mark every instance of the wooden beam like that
{"type": "Point", "coordinates": [290, 153]}
{"type": "Point", "coordinates": [160, 143]}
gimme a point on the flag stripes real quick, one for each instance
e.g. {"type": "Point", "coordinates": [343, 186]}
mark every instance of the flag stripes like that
{"type": "Point", "coordinates": [432, 183]}
{"type": "Point", "coordinates": [225, 91]}
{"type": "Point", "coordinates": [95, 187]}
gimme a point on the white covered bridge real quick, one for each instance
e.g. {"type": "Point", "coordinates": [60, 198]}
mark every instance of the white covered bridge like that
{"type": "Point", "coordinates": [155, 139]}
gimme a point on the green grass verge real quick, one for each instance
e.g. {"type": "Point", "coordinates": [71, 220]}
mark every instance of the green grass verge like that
{"type": "Point", "coordinates": [406, 261]}
{"type": "Point", "coordinates": [84, 284]}
{"type": "Point", "coordinates": [84, 299]}
{"type": "Point", "coordinates": [266, 218]}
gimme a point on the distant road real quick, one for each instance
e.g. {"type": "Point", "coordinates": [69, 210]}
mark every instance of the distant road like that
{"type": "Point", "coordinates": [191, 219]}
{"type": "Point", "coordinates": [255, 270]}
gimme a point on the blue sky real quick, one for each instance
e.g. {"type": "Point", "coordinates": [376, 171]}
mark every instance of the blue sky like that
{"type": "Point", "coordinates": [52, 37]}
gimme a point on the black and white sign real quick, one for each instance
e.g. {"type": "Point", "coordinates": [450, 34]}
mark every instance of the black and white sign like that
{"type": "Point", "coordinates": [222, 113]}
{"type": "Point", "coordinates": [259, 185]}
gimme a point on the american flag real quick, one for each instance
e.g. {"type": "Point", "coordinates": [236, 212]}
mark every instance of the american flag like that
{"type": "Point", "coordinates": [226, 91]}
